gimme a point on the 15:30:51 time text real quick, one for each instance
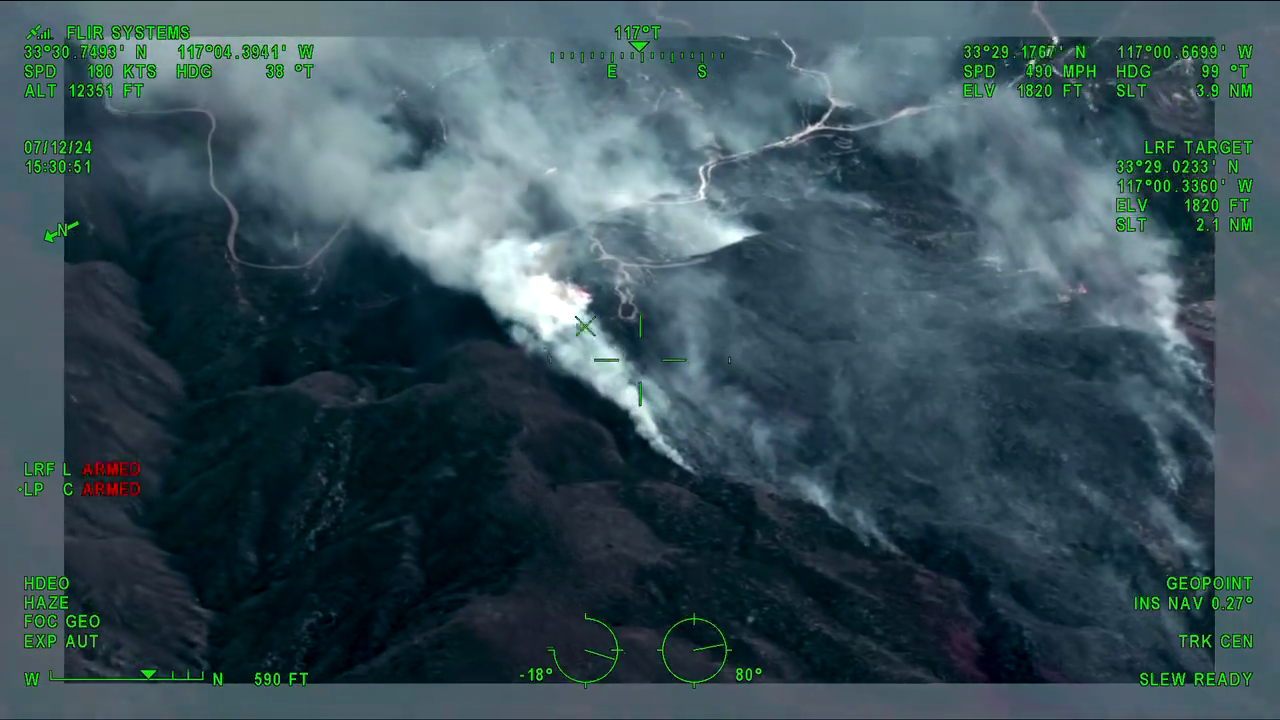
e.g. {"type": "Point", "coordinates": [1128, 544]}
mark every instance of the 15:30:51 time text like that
{"type": "Point", "coordinates": [57, 166]}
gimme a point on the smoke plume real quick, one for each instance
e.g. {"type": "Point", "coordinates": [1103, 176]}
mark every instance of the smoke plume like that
{"type": "Point", "coordinates": [543, 180]}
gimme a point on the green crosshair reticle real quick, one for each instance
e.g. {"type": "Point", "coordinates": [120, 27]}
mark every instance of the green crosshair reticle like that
{"type": "Point", "coordinates": [584, 326]}
{"type": "Point", "coordinates": [593, 664]}
{"type": "Point", "coordinates": [706, 638]}
{"type": "Point", "coordinates": [640, 320]}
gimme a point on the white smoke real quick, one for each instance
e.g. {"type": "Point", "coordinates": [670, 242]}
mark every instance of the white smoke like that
{"type": "Point", "coordinates": [322, 147]}
{"type": "Point", "coordinates": [1043, 205]}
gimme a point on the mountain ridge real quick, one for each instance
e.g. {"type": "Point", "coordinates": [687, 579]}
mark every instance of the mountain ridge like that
{"type": "Point", "coordinates": [370, 482]}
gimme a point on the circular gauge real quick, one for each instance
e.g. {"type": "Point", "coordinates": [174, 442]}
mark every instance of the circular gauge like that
{"type": "Point", "coordinates": [591, 664]}
{"type": "Point", "coordinates": [694, 650]}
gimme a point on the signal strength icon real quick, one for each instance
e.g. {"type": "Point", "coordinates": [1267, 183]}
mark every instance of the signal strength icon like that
{"type": "Point", "coordinates": [39, 32]}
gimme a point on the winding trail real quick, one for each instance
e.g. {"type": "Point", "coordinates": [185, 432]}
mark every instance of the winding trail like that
{"type": "Point", "coordinates": [812, 130]}
{"type": "Point", "coordinates": [234, 227]}
{"type": "Point", "coordinates": [626, 272]}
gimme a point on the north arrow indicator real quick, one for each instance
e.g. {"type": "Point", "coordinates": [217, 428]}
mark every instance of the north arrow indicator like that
{"type": "Point", "coordinates": [639, 45]}
{"type": "Point", "coordinates": [60, 231]}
